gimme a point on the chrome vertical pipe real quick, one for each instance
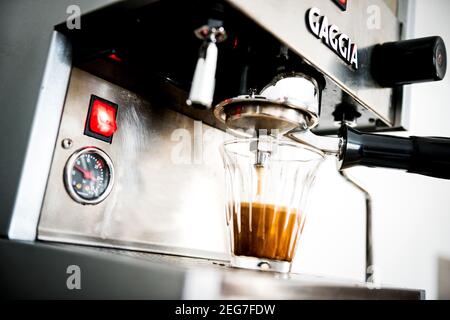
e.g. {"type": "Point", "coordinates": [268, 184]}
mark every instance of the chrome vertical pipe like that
{"type": "Point", "coordinates": [369, 267]}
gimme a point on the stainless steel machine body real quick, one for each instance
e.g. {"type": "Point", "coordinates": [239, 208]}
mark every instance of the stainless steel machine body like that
{"type": "Point", "coordinates": [167, 192]}
{"type": "Point", "coordinates": [286, 21]}
{"type": "Point", "coordinates": [168, 178]}
{"type": "Point", "coordinates": [159, 203]}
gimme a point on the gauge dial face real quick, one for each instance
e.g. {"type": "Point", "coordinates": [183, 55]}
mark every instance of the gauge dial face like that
{"type": "Point", "coordinates": [89, 176]}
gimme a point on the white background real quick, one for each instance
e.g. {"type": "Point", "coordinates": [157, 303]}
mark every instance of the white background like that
{"type": "Point", "coordinates": [411, 212]}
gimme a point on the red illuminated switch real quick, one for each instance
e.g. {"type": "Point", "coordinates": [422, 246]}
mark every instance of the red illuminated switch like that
{"type": "Point", "coordinates": [101, 119]}
{"type": "Point", "coordinates": [341, 4]}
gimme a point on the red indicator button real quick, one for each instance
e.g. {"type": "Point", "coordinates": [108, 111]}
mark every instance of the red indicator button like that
{"type": "Point", "coordinates": [101, 121]}
{"type": "Point", "coordinates": [341, 4]}
{"type": "Point", "coordinates": [115, 57]}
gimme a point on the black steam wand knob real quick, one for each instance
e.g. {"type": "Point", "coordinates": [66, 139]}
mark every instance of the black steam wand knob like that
{"type": "Point", "coordinates": [410, 61]}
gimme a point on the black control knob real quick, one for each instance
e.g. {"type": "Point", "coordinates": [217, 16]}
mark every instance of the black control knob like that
{"type": "Point", "coordinates": [409, 61]}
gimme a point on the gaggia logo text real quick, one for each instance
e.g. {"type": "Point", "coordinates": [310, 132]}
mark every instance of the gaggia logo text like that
{"type": "Point", "coordinates": [337, 41]}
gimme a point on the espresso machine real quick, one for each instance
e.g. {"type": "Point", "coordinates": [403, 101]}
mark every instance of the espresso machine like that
{"type": "Point", "coordinates": [123, 175]}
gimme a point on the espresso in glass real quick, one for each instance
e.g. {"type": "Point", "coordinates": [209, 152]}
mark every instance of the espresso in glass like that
{"type": "Point", "coordinates": [267, 185]}
{"type": "Point", "coordinates": [265, 231]}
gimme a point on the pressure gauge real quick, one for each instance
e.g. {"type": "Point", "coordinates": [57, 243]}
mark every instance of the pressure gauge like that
{"type": "Point", "coordinates": [89, 175]}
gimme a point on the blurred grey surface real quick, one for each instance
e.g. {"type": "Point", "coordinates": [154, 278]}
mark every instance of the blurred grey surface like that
{"type": "Point", "coordinates": [38, 270]}
{"type": "Point", "coordinates": [444, 279]}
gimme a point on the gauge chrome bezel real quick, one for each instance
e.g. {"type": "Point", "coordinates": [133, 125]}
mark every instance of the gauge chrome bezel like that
{"type": "Point", "coordinates": [68, 175]}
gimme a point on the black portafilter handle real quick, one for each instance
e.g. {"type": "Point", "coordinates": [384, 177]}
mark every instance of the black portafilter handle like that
{"type": "Point", "coordinates": [429, 156]}
{"type": "Point", "coordinates": [409, 61]}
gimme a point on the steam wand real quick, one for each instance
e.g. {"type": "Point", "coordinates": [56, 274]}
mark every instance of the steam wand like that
{"type": "Point", "coordinates": [429, 156]}
{"type": "Point", "coordinates": [333, 146]}
{"type": "Point", "coordinates": [348, 117]}
{"type": "Point", "coordinates": [369, 269]}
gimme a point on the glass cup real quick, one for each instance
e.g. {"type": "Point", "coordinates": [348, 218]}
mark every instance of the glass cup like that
{"type": "Point", "coordinates": [267, 185]}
